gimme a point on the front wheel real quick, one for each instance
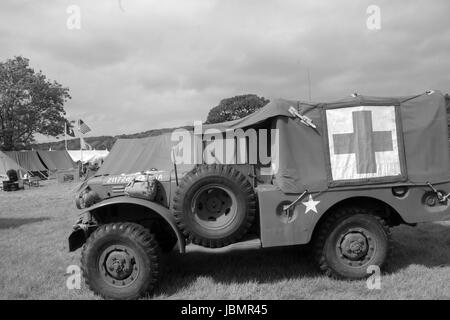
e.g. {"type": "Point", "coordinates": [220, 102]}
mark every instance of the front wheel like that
{"type": "Point", "coordinates": [121, 261]}
{"type": "Point", "coordinates": [350, 241]}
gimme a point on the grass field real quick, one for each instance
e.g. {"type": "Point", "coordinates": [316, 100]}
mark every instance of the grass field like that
{"type": "Point", "coordinates": [35, 223]}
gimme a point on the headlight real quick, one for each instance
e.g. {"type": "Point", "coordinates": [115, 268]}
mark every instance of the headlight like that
{"type": "Point", "coordinates": [79, 201]}
{"type": "Point", "coordinates": [86, 198]}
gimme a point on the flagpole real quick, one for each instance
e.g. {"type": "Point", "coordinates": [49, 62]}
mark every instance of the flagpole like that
{"type": "Point", "coordinates": [65, 134]}
{"type": "Point", "coordinates": [81, 146]}
{"type": "Point", "coordinates": [82, 130]}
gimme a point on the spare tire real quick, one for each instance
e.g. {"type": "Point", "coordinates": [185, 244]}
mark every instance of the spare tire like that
{"type": "Point", "coordinates": [215, 205]}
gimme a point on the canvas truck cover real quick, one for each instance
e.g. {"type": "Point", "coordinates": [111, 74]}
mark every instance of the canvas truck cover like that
{"type": "Point", "coordinates": [357, 141]}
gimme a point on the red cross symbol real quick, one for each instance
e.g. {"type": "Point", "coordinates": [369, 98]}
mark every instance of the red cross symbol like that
{"type": "Point", "coordinates": [363, 142]}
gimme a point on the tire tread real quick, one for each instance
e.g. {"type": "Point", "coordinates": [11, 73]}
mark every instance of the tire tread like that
{"type": "Point", "coordinates": [327, 227]}
{"type": "Point", "coordinates": [136, 233]}
{"type": "Point", "coordinates": [214, 170]}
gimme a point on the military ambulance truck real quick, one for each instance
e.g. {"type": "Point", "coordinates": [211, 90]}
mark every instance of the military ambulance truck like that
{"type": "Point", "coordinates": [335, 175]}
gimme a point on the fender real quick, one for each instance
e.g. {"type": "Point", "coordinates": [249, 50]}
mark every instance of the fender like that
{"type": "Point", "coordinates": [165, 213]}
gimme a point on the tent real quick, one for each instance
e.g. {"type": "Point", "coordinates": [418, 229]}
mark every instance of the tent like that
{"type": "Point", "coordinates": [56, 160]}
{"type": "Point", "coordinates": [355, 141]}
{"type": "Point", "coordinates": [88, 155]}
{"type": "Point", "coordinates": [136, 155]}
{"type": "Point", "coordinates": [6, 163]}
{"type": "Point", "coordinates": [27, 159]}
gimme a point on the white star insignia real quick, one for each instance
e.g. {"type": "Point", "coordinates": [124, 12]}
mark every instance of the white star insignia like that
{"type": "Point", "coordinates": [310, 205]}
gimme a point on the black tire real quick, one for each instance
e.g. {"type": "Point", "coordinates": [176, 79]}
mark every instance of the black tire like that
{"type": "Point", "coordinates": [121, 261]}
{"type": "Point", "coordinates": [349, 241]}
{"type": "Point", "coordinates": [168, 244]}
{"type": "Point", "coordinates": [215, 205]}
{"type": "Point", "coordinates": [167, 240]}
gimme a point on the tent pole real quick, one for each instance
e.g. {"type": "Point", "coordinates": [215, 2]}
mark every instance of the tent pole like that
{"type": "Point", "coordinates": [81, 146]}
{"type": "Point", "coordinates": [81, 155]}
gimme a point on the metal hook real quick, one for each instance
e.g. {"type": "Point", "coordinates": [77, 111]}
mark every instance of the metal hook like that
{"type": "Point", "coordinates": [289, 206]}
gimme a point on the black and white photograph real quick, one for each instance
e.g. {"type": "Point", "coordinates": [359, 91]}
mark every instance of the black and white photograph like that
{"type": "Point", "coordinates": [224, 155]}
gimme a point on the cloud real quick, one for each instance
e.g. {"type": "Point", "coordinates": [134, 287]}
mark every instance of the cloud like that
{"type": "Point", "coordinates": [164, 63]}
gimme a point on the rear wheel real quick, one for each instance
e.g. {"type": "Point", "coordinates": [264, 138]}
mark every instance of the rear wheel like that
{"type": "Point", "coordinates": [350, 241]}
{"type": "Point", "coordinates": [121, 261]}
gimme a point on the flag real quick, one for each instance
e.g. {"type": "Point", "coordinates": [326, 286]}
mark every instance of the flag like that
{"type": "Point", "coordinates": [69, 129]}
{"type": "Point", "coordinates": [84, 145]}
{"type": "Point", "coordinates": [82, 127]}
{"type": "Point", "coordinates": [363, 142]}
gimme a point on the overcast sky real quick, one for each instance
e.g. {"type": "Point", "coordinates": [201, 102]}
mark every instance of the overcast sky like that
{"type": "Point", "coordinates": [138, 65]}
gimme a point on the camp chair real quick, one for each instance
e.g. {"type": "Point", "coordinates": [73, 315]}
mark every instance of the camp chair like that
{"type": "Point", "coordinates": [32, 180]}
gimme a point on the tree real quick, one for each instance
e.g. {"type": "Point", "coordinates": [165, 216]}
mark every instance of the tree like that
{"type": "Point", "coordinates": [235, 108]}
{"type": "Point", "coordinates": [29, 104]}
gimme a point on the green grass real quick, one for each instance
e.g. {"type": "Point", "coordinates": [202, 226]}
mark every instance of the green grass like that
{"type": "Point", "coordinates": [35, 223]}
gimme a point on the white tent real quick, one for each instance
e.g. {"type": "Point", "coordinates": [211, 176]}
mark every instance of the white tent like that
{"type": "Point", "coordinates": [88, 155]}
